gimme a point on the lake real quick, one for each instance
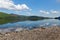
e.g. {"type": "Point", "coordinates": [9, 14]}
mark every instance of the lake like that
{"type": "Point", "coordinates": [17, 26]}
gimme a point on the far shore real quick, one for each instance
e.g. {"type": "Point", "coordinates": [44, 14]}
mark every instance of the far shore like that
{"type": "Point", "coordinates": [50, 33]}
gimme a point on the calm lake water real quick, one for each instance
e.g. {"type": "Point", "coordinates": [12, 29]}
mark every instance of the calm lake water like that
{"type": "Point", "coordinates": [29, 24]}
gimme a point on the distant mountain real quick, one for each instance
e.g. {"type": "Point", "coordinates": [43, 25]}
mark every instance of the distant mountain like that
{"type": "Point", "coordinates": [37, 18]}
{"type": "Point", "coordinates": [57, 17]}
{"type": "Point", "coordinates": [19, 17]}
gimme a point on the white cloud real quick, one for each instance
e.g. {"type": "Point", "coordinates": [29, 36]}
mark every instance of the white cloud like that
{"type": "Point", "coordinates": [54, 12]}
{"type": "Point", "coordinates": [9, 4]}
{"type": "Point", "coordinates": [49, 12]}
{"type": "Point", "coordinates": [45, 12]}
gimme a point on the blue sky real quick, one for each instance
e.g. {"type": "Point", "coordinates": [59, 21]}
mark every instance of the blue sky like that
{"type": "Point", "coordinates": [47, 8]}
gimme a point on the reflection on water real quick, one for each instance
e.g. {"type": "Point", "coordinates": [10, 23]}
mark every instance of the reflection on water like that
{"type": "Point", "coordinates": [30, 24]}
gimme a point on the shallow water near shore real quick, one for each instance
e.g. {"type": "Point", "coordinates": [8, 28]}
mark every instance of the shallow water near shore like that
{"type": "Point", "coordinates": [21, 25]}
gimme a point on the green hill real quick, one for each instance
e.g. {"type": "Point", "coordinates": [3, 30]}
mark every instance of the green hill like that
{"type": "Point", "coordinates": [3, 15]}
{"type": "Point", "coordinates": [19, 17]}
{"type": "Point", "coordinates": [6, 18]}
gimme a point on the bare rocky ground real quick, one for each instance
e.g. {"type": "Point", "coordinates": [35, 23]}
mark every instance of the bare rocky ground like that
{"type": "Point", "coordinates": [52, 33]}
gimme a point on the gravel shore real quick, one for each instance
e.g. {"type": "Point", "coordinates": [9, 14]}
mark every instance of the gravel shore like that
{"type": "Point", "coordinates": [51, 33]}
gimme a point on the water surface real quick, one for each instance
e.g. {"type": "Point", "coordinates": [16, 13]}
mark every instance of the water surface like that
{"type": "Point", "coordinates": [29, 24]}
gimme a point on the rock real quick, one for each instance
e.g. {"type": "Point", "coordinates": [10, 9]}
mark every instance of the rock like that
{"type": "Point", "coordinates": [52, 33]}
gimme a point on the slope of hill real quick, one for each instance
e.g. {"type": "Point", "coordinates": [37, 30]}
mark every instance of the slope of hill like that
{"type": "Point", "coordinates": [19, 17]}
{"type": "Point", "coordinates": [3, 15]}
{"type": "Point", "coordinates": [10, 16]}
{"type": "Point", "coordinates": [7, 18]}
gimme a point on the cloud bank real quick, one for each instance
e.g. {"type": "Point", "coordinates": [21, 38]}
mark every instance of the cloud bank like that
{"type": "Point", "coordinates": [44, 12]}
{"type": "Point", "coordinates": [49, 12]}
{"type": "Point", "coordinates": [9, 4]}
{"type": "Point", "coordinates": [54, 12]}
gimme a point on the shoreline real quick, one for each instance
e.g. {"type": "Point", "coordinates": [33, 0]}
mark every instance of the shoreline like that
{"type": "Point", "coordinates": [13, 29]}
{"type": "Point", "coordinates": [49, 33]}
